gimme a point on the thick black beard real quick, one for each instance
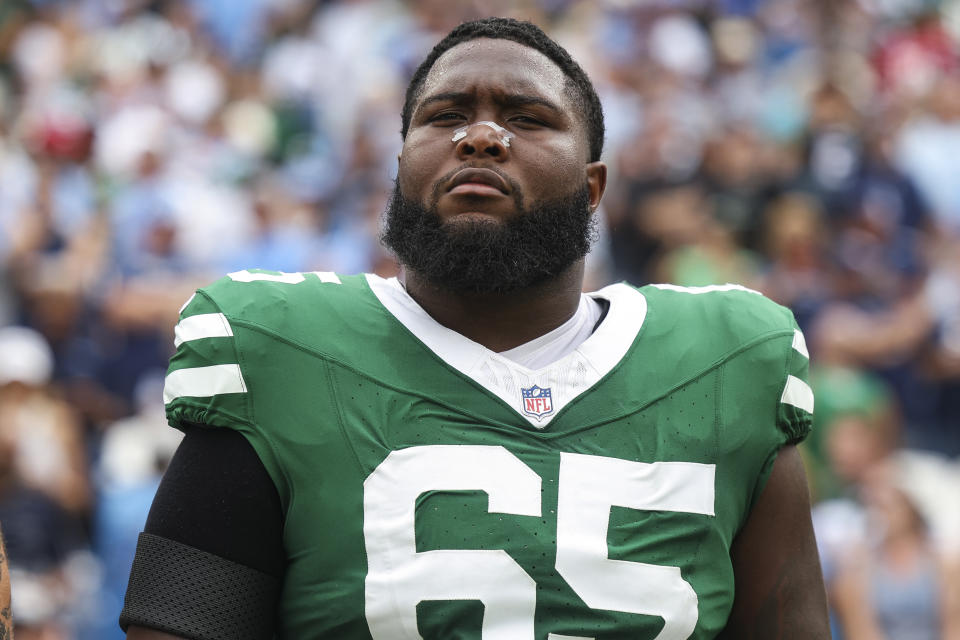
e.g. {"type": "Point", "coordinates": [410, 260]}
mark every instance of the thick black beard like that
{"type": "Point", "coordinates": [478, 256]}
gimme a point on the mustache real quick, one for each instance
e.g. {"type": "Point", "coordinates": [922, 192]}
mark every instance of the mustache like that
{"type": "Point", "coordinates": [515, 190]}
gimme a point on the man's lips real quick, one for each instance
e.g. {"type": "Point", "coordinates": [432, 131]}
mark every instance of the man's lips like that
{"type": "Point", "coordinates": [477, 181]}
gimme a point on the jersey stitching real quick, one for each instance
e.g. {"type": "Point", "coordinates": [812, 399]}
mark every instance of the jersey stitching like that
{"type": "Point", "coordinates": [720, 408]}
{"type": "Point", "coordinates": [253, 326]}
{"type": "Point", "coordinates": [245, 399]}
{"type": "Point", "coordinates": [229, 416]}
{"type": "Point", "coordinates": [249, 406]}
{"type": "Point", "coordinates": [512, 411]}
{"type": "Point", "coordinates": [526, 424]}
{"type": "Point", "coordinates": [757, 489]}
{"type": "Point", "coordinates": [789, 356]}
{"type": "Point", "coordinates": [717, 437]}
{"type": "Point", "coordinates": [512, 427]}
{"type": "Point", "coordinates": [226, 323]}
{"type": "Point", "coordinates": [544, 433]}
{"type": "Point", "coordinates": [784, 374]}
{"type": "Point", "coordinates": [509, 427]}
{"type": "Point", "coordinates": [755, 342]}
{"type": "Point", "coordinates": [340, 422]}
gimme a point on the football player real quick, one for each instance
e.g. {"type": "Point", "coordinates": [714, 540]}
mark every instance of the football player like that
{"type": "Point", "coordinates": [477, 449]}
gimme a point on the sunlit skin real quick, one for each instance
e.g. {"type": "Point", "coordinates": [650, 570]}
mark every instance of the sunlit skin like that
{"type": "Point", "coordinates": [480, 179]}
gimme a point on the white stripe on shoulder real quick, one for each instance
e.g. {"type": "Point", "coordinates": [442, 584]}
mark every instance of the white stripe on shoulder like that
{"type": "Point", "coordinates": [287, 278]}
{"type": "Point", "coordinates": [706, 289]}
{"type": "Point", "coordinates": [187, 303]}
{"type": "Point", "coordinates": [328, 276]}
{"type": "Point", "coordinates": [246, 276]}
{"type": "Point", "coordinates": [205, 325]}
{"type": "Point", "coordinates": [203, 382]}
{"type": "Point", "coordinates": [798, 393]}
{"type": "Point", "coordinates": [800, 344]}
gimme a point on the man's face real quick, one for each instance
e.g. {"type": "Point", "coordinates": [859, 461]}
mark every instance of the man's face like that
{"type": "Point", "coordinates": [482, 190]}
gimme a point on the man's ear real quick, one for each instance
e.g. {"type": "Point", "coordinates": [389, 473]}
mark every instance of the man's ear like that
{"type": "Point", "coordinates": [596, 183]}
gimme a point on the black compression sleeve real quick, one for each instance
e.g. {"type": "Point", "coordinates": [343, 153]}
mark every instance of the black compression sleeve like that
{"type": "Point", "coordinates": [217, 496]}
{"type": "Point", "coordinates": [193, 594]}
{"type": "Point", "coordinates": [210, 563]}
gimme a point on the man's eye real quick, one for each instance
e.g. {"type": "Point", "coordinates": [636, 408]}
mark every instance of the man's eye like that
{"type": "Point", "coordinates": [527, 121]}
{"type": "Point", "coordinates": [447, 117]}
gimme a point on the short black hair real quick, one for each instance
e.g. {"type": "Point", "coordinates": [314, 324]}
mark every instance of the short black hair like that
{"type": "Point", "coordinates": [530, 35]}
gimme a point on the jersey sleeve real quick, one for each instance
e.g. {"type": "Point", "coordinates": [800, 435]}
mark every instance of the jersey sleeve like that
{"type": "Point", "coordinates": [204, 382]}
{"type": "Point", "coordinates": [778, 365]}
{"type": "Point", "coordinates": [795, 409]}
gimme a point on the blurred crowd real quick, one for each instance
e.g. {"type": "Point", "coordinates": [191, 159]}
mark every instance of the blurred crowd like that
{"type": "Point", "coordinates": [803, 148]}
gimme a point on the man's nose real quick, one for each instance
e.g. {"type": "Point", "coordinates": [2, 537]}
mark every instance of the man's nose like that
{"type": "Point", "coordinates": [482, 140]}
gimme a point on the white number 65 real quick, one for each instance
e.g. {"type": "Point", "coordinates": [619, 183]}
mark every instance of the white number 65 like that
{"type": "Point", "coordinates": [399, 577]}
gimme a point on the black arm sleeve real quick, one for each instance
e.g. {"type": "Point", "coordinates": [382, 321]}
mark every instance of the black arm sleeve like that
{"type": "Point", "coordinates": [215, 533]}
{"type": "Point", "coordinates": [218, 497]}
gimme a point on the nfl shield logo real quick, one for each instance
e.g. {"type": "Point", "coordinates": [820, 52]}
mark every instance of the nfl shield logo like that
{"type": "Point", "coordinates": [537, 402]}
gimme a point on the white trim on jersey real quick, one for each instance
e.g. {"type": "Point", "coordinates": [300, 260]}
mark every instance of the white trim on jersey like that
{"type": "Point", "coordinates": [203, 382]}
{"type": "Point", "coordinates": [187, 303]}
{"type": "Point", "coordinates": [800, 344]}
{"type": "Point", "coordinates": [707, 289]}
{"type": "Point", "coordinates": [566, 378]}
{"type": "Point", "coordinates": [550, 347]}
{"type": "Point", "coordinates": [798, 393]}
{"type": "Point", "coordinates": [328, 276]}
{"type": "Point", "coordinates": [204, 325]}
{"type": "Point", "coordinates": [246, 276]}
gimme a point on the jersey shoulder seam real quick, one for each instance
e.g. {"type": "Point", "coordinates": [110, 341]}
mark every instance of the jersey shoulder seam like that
{"type": "Point", "coordinates": [249, 406]}
{"type": "Point", "coordinates": [332, 360]}
{"type": "Point", "coordinates": [719, 362]}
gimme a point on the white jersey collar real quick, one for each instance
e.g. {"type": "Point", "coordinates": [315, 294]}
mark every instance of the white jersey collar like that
{"type": "Point", "coordinates": [536, 394]}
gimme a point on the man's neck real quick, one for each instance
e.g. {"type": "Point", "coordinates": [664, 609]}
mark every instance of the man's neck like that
{"type": "Point", "coordinates": [501, 321]}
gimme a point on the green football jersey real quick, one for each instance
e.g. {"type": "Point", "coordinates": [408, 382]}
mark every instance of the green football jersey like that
{"type": "Point", "coordinates": [434, 489]}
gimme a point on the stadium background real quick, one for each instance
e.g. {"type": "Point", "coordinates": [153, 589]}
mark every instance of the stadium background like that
{"type": "Point", "coordinates": [806, 149]}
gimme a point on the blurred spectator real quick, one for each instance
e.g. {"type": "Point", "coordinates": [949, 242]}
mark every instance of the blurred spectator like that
{"type": "Point", "coordinates": [883, 235]}
{"type": "Point", "coordinates": [43, 485]}
{"type": "Point", "coordinates": [912, 59]}
{"type": "Point", "coordinates": [39, 429]}
{"type": "Point", "coordinates": [888, 547]}
{"type": "Point", "coordinates": [925, 150]}
{"type": "Point", "coordinates": [736, 178]}
{"type": "Point", "coordinates": [857, 426]}
{"type": "Point", "coordinates": [895, 584]}
{"type": "Point", "coordinates": [134, 453]}
{"type": "Point", "coordinates": [655, 220]}
{"type": "Point", "coordinates": [794, 241]}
